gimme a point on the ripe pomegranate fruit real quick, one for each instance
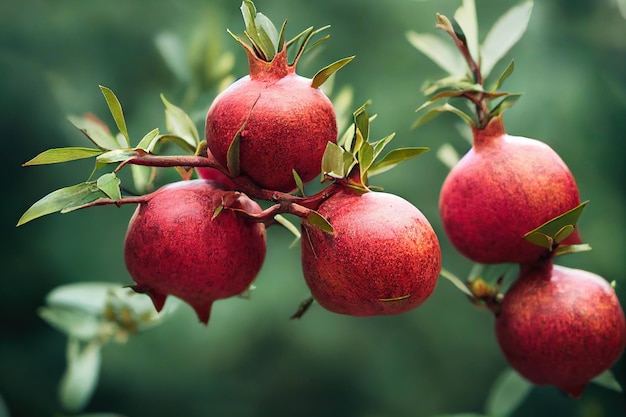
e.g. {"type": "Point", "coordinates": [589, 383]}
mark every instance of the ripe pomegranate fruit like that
{"type": "Point", "coordinates": [283, 123]}
{"type": "Point", "coordinates": [382, 258]}
{"type": "Point", "coordinates": [213, 174]}
{"type": "Point", "coordinates": [502, 188]}
{"type": "Point", "coordinates": [174, 246]}
{"type": "Point", "coordinates": [560, 326]}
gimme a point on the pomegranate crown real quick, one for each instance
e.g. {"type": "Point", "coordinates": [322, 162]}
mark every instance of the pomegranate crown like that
{"type": "Point", "coordinates": [266, 43]}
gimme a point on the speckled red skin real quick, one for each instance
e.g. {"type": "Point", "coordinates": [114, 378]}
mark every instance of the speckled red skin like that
{"type": "Point", "coordinates": [173, 246]}
{"type": "Point", "coordinates": [561, 326]}
{"type": "Point", "coordinates": [382, 247]}
{"type": "Point", "coordinates": [287, 124]}
{"type": "Point", "coordinates": [504, 187]}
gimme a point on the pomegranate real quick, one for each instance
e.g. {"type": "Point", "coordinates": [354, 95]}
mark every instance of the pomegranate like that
{"type": "Point", "coordinates": [175, 246]}
{"type": "Point", "coordinates": [382, 258]}
{"type": "Point", "coordinates": [560, 326]}
{"type": "Point", "coordinates": [504, 187]}
{"type": "Point", "coordinates": [282, 121]}
{"type": "Point", "coordinates": [213, 174]}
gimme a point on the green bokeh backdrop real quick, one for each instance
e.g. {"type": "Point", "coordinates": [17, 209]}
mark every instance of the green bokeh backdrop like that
{"type": "Point", "coordinates": [252, 360]}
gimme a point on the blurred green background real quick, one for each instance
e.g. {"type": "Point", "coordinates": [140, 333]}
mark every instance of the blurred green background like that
{"type": "Point", "coordinates": [252, 360]}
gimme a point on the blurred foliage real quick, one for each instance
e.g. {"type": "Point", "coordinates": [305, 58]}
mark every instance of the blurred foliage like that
{"type": "Point", "coordinates": [252, 360]}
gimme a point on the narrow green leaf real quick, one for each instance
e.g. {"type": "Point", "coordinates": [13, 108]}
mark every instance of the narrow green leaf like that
{"type": "Point", "coordinates": [232, 155]}
{"type": "Point", "coordinates": [333, 161]}
{"type": "Point", "coordinates": [95, 132]}
{"type": "Point", "coordinates": [175, 139]}
{"type": "Point", "coordinates": [505, 74]}
{"type": "Point", "coordinates": [267, 32]}
{"type": "Point", "coordinates": [260, 30]}
{"type": "Point", "coordinates": [81, 375]}
{"type": "Point", "coordinates": [504, 34]}
{"type": "Point", "coordinates": [180, 124]}
{"type": "Point", "coordinates": [380, 145]}
{"type": "Point", "coordinates": [607, 380]}
{"type": "Point", "coordinates": [117, 155]}
{"type": "Point", "coordinates": [546, 234]}
{"type": "Point", "coordinates": [507, 393]}
{"type": "Point", "coordinates": [283, 221]}
{"type": "Point", "coordinates": [174, 54]}
{"type": "Point", "coordinates": [323, 74]}
{"type": "Point", "coordinates": [58, 155]}
{"type": "Point", "coordinates": [110, 185]}
{"type": "Point", "coordinates": [468, 21]}
{"type": "Point", "coordinates": [456, 281]}
{"type": "Point", "coordinates": [439, 51]}
{"type": "Point", "coordinates": [60, 199]}
{"type": "Point", "coordinates": [507, 102]}
{"type": "Point", "coordinates": [567, 249]}
{"type": "Point", "coordinates": [146, 141]}
{"type": "Point", "coordinates": [394, 158]}
{"type": "Point", "coordinates": [298, 180]}
{"type": "Point", "coordinates": [362, 121]}
{"type": "Point", "coordinates": [116, 111]}
{"type": "Point", "coordinates": [435, 111]}
{"type": "Point", "coordinates": [318, 220]}
{"type": "Point", "coordinates": [72, 321]}
{"type": "Point", "coordinates": [621, 5]}
{"type": "Point", "coordinates": [365, 157]}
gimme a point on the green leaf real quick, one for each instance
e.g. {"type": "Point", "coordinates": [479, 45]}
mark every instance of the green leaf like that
{"type": "Point", "coordinates": [568, 249]}
{"type": "Point", "coordinates": [260, 30]}
{"type": "Point", "coordinates": [110, 185]}
{"type": "Point", "coordinates": [61, 199]}
{"type": "Point", "coordinates": [365, 158]}
{"type": "Point", "coordinates": [71, 321]}
{"type": "Point", "coordinates": [435, 111]}
{"type": "Point", "coordinates": [180, 124]}
{"type": "Point", "coordinates": [232, 155]}
{"type": "Point", "coordinates": [448, 155]}
{"type": "Point", "coordinates": [116, 111]}
{"type": "Point", "coordinates": [507, 393]}
{"type": "Point", "coordinates": [333, 161]}
{"type": "Point", "coordinates": [456, 281]}
{"type": "Point", "coordinates": [505, 74]}
{"type": "Point", "coordinates": [393, 158]}
{"type": "Point", "coordinates": [146, 141]}
{"type": "Point", "coordinates": [557, 229]}
{"type": "Point", "coordinates": [607, 380]}
{"type": "Point", "coordinates": [58, 155]}
{"type": "Point", "coordinates": [466, 17]}
{"type": "Point", "coordinates": [507, 102]}
{"type": "Point", "coordinates": [318, 220]}
{"type": "Point", "coordinates": [504, 34]}
{"type": "Point", "coordinates": [95, 132]}
{"type": "Point", "coordinates": [439, 51]}
{"type": "Point", "coordinates": [117, 155]}
{"type": "Point", "coordinates": [81, 375]}
{"type": "Point", "coordinates": [173, 52]}
{"type": "Point", "coordinates": [323, 74]}
{"type": "Point", "coordinates": [283, 221]}
{"type": "Point", "coordinates": [298, 181]}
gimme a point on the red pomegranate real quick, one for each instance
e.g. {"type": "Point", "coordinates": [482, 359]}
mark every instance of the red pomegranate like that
{"type": "Point", "coordinates": [382, 258]}
{"type": "Point", "coordinates": [175, 246]}
{"type": "Point", "coordinates": [560, 326]}
{"type": "Point", "coordinates": [283, 123]}
{"type": "Point", "coordinates": [504, 187]}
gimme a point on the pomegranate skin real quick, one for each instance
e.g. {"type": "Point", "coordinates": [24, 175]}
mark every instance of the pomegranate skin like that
{"type": "Point", "coordinates": [286, 124]}
{"type": "Point", "coordinates": [504, 187]}
{"type": "Point", "coordinates": [561, 326]}
{"type": "Point", "coordinates": [174, 246]}
{"type": "Point", "coordinates": [383, 256]}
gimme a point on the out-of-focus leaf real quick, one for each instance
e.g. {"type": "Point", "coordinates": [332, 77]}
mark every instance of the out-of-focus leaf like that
{"type": "Point", "coordinates": [621, 5]}
{"type": "Point", "coordinates": [507, 102]}
{"type": "Point", "coordinates": [174, 54]}
{"type": "Point", "coordinates": [504, 34]}
{"type": "Point", "coordinates": [74, 322]}
{"type": "Point", "coordinates": [110, 185]}
{"type": "Point", "coordinates": [58, 155]}
{"type": "Point", "coordinates": [607, 380]}
{"type": "Point", "coordinates": [456, 281]}
{"type": "Point", "coordinates": [118, 115]}
{"type": "Point", "coordinates": [394, 158]}
{"type": "Point", "coordinates": [439, 51]}
{"type": "Point", "coordinates": [505, 74]}
{"type": "Point", "coordinates": [323, 74]}
{"type": "Point", "coordinates": [466, 18]}
{"type": "Point", "coordinates": [435, 111]}
{"type": "Point", "coordinates": [283, 221]}
{"type": "Point", "coordinates": [507, 393]}
{"type": "Point", "coordinates": [568, 249]}
{"type": "Point", "coordinates": [81, 375]}
{"type": "Point", "coordinates": [546, 234]}
{"type": "Point", "coordinates": [448, 155]}
{"type": "Point", "coordinates": [180, 124]}
{"type": "Point", "coordinates": [61, 199]}
{"type": "Point", "coordinates": [95, 132]}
